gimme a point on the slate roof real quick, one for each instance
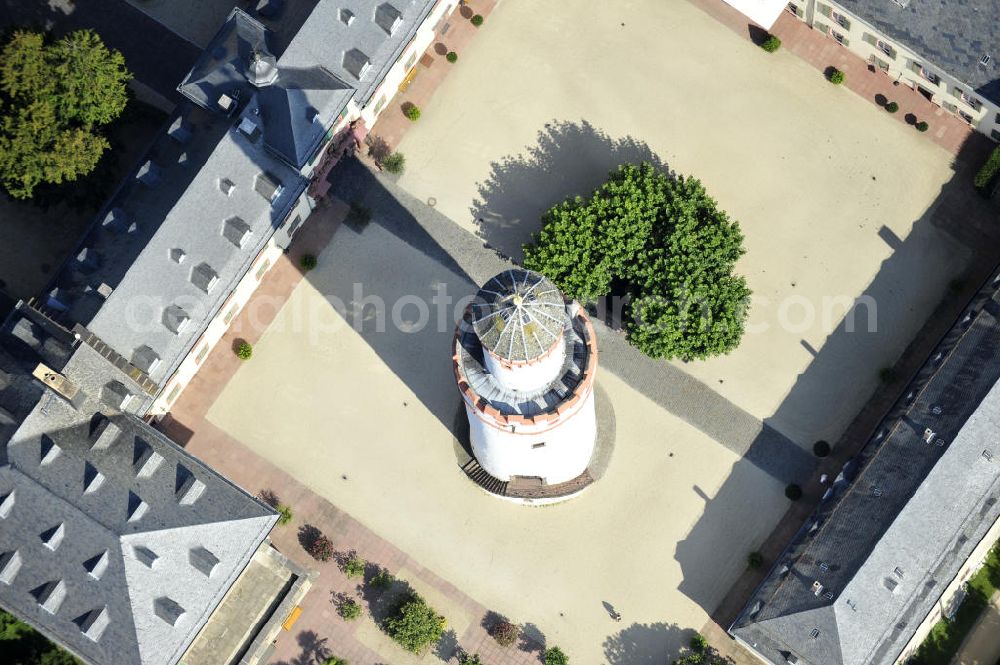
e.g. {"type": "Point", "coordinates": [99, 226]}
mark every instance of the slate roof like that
{"type": "Point", "coordinates": [900, 520]}
{"type": "Point", "coordinates": [156, 248]}
{"type": "Point", "coordinates": [107, 527]}
{"type": "Point", "coordinates": [341, 52]}
{"type": "Point", "coordinates": [953, 35]}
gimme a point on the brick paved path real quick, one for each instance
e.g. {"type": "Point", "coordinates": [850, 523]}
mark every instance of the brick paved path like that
{"type": "Point", "coordinates": [947, 130]}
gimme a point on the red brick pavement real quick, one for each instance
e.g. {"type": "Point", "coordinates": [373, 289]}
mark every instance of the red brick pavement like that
{"type": "Point", "coordinates": [455, 35]}
{"type": "Point", "coordinates": [319, 627]}
{"type": "Point", "coordinates": [947, 130]}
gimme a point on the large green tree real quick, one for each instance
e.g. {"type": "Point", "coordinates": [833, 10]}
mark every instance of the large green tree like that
{"type": "Point", "coordinates": [54, 98]}
{"type": "Point", "coordinates": [416, 625]}
{"type": "Point", "coordinates": [661, 241]}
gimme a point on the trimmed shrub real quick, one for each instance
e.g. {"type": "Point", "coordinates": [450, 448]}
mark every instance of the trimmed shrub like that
{"type": "Point", "coordinates": [477, 20]}
{"type": "Point", "coordinates": [469, 659]}
{"type": "Point", "coordinates": [334, 660]}
{"type": "Point", "coordinates": [698, 643]}
{"type": "Point", "coordinates": [922, 126]}
{"type": "Point", "coordinates": [793, 492]}
{"type": "Point", "coordinates": [415, 625]}
{"type": "Point", "coordinates": [771, 44]}
{"type": "Point", "coordinates": [412, 111]}
{"type": "Point", "coordinates": [350, 609]}
{"type": "Point", "coordinates": [989, 170]}
{"type": "Point", "coordinates": [284, 514]}
{"type": "Point", "coordinates": [821, 448]}
{"type": "Point", "coordinates": [837, 77]}
{"type": "Point", "coordinates": [505, 633]}
{"type": "Point", "coordinates": [359, 215]}
{"type": "Point", "coordinates": [892, 107]}
{"type": "Point", "coordinates": [244, 351]}
{"type": "Point", "coordinates": [451, 57]}
{"type": "Point", "coordinates": [754, 561]}
{"type": "Point", "coordinates": [555, 656]}
{"type": "Point", "coordinates": [394, 163]}
{"type": "Point", "coordinates": [354, 566]}
{"type": "Point", "coordinates": [321, 548]}
{"type": "Point", "coordinates": [383, 579]}
{"type": "Point", "coordinates": [308, 262]}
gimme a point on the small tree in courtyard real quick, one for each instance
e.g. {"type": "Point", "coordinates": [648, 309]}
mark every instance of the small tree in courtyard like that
{"type": "Point", "coordinates": [836, 76]}
{"type": "Point", "coordinates": [477, 20]}
{"type": "Point", "coordinates": [349, 609]}
{"type": "Point", "coordinates": [320, 548]}
{"type": "Point", "coordinates": [354, 566]}
{"type": "Point", "coordinates": [308, 262]}
{"type": "Point", "coordinates": [661, 242]}
{"type": "Point", "coordinates": [555, 656]}
{"type": "Point", "coordinates": [505, 632]}
{"type": "Point", "coordinates": [892, 107]}
{"type": "Point", "coordinates": [771, 44]}
{"type": "Point", "coordinates": [415, 625]}
{"type": "Point", "coordinates": [244, 351]}
{"type": "Point", "coordinates": [412, 111]}
{"type": "Point", "coordinates": [284, 514]}
{"type": "Point", "coordinates": [452, 57]}
{"type": "Point", "coordinates": [394, 163]}
{"type": "Point", "coordinates": [922, 126]}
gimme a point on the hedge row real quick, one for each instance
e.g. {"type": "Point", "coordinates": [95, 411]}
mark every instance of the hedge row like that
{"type": "Point", "coordinates": [989, 171]}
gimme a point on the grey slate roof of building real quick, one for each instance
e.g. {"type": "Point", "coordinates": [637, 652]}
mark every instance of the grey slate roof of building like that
{"type": "Point", "coordinates": [341, 51]}
{"type": "Point", "coordinates": [158, 247]}
{"type": "Point", "coordinates": [953, 35]}
{"type": "Point", "coordinates": [900, 520]}
{"type": "Point", "coordinates": [114, 542]}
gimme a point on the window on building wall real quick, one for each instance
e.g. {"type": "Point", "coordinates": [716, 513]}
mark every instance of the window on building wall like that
{"type": "Point", "coordinates": [927, 74]}
{"type": "Point", "coordinates": [294, 226]}
{"type": "Point", "coordinates": [841, 39]}
{"type": "Point", "coordinates": [966, 116]}
{"type": "Point", "coordinates": [886, 48]}
{"type": "Point", "coordinates": [380, 104]}
{"type": "Point", "coordinates": [841, 20]}
{"type": "Point", "coordinates": [229, 315]}
{"type": "Point", "coordinates": [792, 9]}
{"type": "Point", "coordinates": [263, 268]}
{"type": "Point", "coordinates": [825, 10]}
{"type": "Point", "coordinates": [995, 135]}
{"type": "Point", "coordinates": [174, 392]}
{"type": "Point", "coordinates": [202, 352]}
{"type": "Point", "coordinates": [412, 60]}
{"type": "Point", "coordinates": [969, 99]}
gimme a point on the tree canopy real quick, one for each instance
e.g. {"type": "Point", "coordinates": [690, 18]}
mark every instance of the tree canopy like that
{"type": "Point", "coordinates": [20, 644]}
{"type": "Point", "coordinates": [54, 97]}
{"type": "Point", "coordinates": [661, 241]}
{"type": "Point", "coordinates": [416, 625]}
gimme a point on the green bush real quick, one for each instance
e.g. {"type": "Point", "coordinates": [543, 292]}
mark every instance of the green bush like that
{"type": "Point", "coordinates": [349, 609]}
{"type": "Point", "coordinates": [415, 625]}
{"type": "Point", "coordinates": [383, 579]}
{"type": "Point", "coordinates": [359, 215]}
{"type": "Point", "coordinates": [892, 107]}
{"type": "Point", "coordinates": [698, 643]}
{"type": "Point", "coordinates": [821, 448]}
{"type": "Point", "coordinates": [555, 656]}
{"type": "Point", "coordinates": [469, 659]}
{"type": "Point", "coordinates": [661, 239]}
{"type": "Point", "coordinates": [836, 76]}
{"type": "Point", "coordinates": [354, 566]}
{"type": "Point", "coordinates": [394, 163]}
{"type": "Point", "coordinates": [412, 111]}
{"type": "Point", "coordinates": [989, 170]}
{"type": "Point", "coordinates": [793, 492]}
{"type": "Point", "coordinates": [771, 44]}
{"type": "Point", "coordinates": [754, 561]}
{"type": "Point", "coordinates": [284, 514]}
{"type": "Point", "coordinates": [244, 351]}
{"type": "Point", "coordinates": [922, 126]}
{"type": "Point", "coordinates": [477, 20]}
{"type": "Point", "coordinates": [307, 262]}
{"type": "Point", "coordinates": [334, 660]}
{"type": "Point", "coordinates": [505, 632]}
{"type": "Point", "coordinates": [321, 548]}
{"type": "Point", "coordinates": [451, 57]}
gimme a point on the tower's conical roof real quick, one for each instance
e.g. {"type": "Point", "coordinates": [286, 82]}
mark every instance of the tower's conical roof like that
{"type": "Point", "coordinates": [519, 314]}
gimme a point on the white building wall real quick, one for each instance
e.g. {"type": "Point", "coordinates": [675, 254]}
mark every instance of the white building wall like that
{"type": "Point", "coordinates": [564, 454]}
{"type": "Point", "coordinates": [531, 376]}
{"type": "Point", "coordinates": [899, 62]}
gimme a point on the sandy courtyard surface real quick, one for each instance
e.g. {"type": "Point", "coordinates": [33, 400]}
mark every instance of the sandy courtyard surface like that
{"type": "Point", "coordinates": [661, 537]}
{"type": "Point", "coordinates": [833, 196]}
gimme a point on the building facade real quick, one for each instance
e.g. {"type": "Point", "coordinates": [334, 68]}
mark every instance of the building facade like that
{"type": "Point", "coordinates": [525, 360]}
{"type": "Point", "coordinates": [945, 51]}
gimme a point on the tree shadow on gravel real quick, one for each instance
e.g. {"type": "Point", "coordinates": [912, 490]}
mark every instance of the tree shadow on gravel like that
{"type": "Point", "coordinates": [570, 159]}
{"type": "Point", "coordinates": [646, 644]}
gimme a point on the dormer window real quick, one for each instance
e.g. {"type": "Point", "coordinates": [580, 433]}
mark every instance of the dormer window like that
{"type": "Point", "coordinates": [356, 63]}
{"type": "Point", "coordinates": [227, 186]}
{"type": "Point", "coordinates": [177, 255]}
{"type": "Point", "coordinates": [236, 231]}
{"type": "Point", "coordinates": [175, 319]}
{"type": "Point", "coordinates": [388, 18]}
{"type": "Point", "coordinates": [267, 186]}
{"type": "Point", "coordinates": [346, 16]}
{"type": "Point", "coordinates": [204, 277]}
{"type": "Point", "coordinates": [145, 358]}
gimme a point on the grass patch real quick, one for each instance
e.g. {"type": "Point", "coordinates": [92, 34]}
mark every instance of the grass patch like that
{"type": "Point", "coordinates": [946, 636]}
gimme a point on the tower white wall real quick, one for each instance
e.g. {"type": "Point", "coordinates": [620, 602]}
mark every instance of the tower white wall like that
{"type": "Point", "coordinates": [527, 376]}
{"type": "Point", "coordinates": [568, 445]}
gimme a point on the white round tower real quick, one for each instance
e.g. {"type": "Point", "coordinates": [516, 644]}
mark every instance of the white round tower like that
{"type": "Point", "coordinates": [525, 360]}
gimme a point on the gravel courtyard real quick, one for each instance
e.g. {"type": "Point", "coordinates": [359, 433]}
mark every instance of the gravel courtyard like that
{"type": "Point", "coordinates": [379, 407]}
{"type": "Point", "coordinates": [835, 198]}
